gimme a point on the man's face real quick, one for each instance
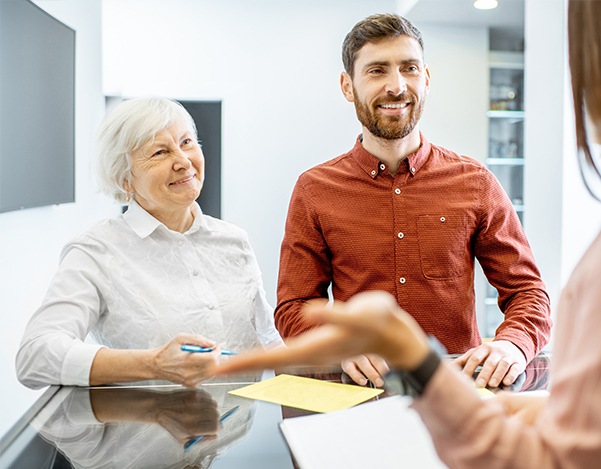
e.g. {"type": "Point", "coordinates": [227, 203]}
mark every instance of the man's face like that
{"type": "Point", "coordinates": [389, 86]}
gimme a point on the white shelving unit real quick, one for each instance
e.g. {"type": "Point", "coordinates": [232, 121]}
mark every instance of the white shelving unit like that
{"type": "Point", "coordinates": [506, 157]}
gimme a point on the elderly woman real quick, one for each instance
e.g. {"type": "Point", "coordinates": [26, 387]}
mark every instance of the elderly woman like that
{"type": "Point", "coordinates": [161, 275]}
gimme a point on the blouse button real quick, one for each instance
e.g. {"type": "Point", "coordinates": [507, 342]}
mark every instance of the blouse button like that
{"type": "Point", "coordinates": [373, 172]}
{"type": "Point", "coordinates": [401, 235]}
{"type": "Point", "coordinates": [397, 191]}
{"type": "Point", "coordinates": [443, 219]}
{"type": "Point", "coordinates": [402, 280]}
{"type": "Point", "coordinates": [413, 170]}
{"type": "Point", "coordinates": [382, 166]}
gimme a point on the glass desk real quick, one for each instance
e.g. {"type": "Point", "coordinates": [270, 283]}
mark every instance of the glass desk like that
{"type": "Point", "coordinates": [159, 425]}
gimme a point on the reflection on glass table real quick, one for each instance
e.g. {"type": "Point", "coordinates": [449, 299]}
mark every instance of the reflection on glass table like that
{"type": "Point", "coordinates": [158, 425]}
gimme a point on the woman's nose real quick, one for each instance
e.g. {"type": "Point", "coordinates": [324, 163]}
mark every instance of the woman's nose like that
{"type": "Point", "coordinates": [181, 159]}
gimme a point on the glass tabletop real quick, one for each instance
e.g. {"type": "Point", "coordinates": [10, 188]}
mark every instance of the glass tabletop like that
{"type": "Point", "coordinates": [161, 425]}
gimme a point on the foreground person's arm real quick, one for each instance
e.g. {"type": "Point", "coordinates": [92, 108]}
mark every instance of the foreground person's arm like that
{"type": "Point", "coordinates": [467, 431]}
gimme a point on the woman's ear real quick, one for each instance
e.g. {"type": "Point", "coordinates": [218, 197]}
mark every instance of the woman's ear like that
{"type": "Point", "coordinates": [346, 85]}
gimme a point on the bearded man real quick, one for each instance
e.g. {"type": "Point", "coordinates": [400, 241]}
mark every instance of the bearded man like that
{"type": "Point", "coordinates": [399, 214]}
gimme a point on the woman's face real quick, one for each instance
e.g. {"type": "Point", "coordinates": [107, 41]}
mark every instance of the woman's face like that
{"type": "Point", "coordinates": [168, 171]}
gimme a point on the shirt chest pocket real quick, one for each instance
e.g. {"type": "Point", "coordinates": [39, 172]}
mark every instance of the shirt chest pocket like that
{"type": "Point", "coordinates": [444, 245]}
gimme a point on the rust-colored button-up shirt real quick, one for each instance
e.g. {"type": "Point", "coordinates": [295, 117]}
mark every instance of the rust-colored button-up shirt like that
{"type": "Point", "coordinates": [353, 225]}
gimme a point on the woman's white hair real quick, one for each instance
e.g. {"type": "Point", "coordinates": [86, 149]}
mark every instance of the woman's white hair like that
{"type": "Point", "coordinates": [129, 126]}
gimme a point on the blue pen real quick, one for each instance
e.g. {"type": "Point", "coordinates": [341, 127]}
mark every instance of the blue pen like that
{"type": "Point", "coordinates": [198, 349]}
{"type": "Point", "coordinates": [222, 419]}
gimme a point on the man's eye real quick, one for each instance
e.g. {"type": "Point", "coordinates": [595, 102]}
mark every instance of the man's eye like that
{"type": "Point", "coordinates": [376, 71]}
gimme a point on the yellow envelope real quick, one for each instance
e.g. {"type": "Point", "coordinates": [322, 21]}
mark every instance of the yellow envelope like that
{"type": "Point", "coordinates": [307, 393]}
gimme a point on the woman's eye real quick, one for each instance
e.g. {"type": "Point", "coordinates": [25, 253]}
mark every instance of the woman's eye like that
{"type": "Point", "coordinates": [159, 153]}
{"type": "Point", "coordinates": [187, 141]}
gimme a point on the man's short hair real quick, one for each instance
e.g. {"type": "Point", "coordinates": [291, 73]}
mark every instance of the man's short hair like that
{"type": "Point", "coordinates": [375, 28]}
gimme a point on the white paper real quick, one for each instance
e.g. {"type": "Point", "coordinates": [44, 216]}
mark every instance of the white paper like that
{"type": "Point", "coordinates": [383, 434]}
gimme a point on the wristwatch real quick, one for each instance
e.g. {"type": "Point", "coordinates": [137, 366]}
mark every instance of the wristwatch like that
{"type": "Point", "coordinates": [413, 383]}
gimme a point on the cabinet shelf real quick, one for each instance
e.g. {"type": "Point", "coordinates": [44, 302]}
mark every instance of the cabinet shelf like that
{"type": "Point", "coordinates": [513, 60]}
{"type": "Point", "coordinates": [517, 115]}
{"type": "Point", "coordinates": [505, 161]}
{"type": "Point", "coordinates": [505, 157]}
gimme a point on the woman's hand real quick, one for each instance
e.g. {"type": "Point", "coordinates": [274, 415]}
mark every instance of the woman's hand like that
{"type": "Point", "coordinates": [369, 322]}
{"type": "Point", "coordinates": [167, 362]}
{"type": "Point", "coordinates": [185, 368]}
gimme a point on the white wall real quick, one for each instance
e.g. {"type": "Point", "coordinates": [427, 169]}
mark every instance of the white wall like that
{"type": "Point", "coordinates": [30, 240]}
{"type": "Point", "coordinates": [455, 114]}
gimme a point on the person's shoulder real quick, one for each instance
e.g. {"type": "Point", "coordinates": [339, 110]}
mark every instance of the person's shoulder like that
{"type": "Point", "coordinates": [96, 236]}
{"type": "Point", "coordinates": [223, 226]}
{"type": "Point", "coordinates": [452, 157]}
{"type": "Point", "coordinates": [326, 169]}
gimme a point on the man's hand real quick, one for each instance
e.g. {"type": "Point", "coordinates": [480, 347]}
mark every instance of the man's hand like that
{"type": "Point", "coordinates": [502, 362]}
{"type": "Point", "coordinates": [364, 367]}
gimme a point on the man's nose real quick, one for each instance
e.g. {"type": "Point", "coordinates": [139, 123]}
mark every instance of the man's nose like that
{"type": "Point", "coordinates": [396, 84]}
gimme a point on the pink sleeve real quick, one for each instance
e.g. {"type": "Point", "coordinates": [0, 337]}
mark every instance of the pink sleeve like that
{"type": "Point", "coordinates": [469, 432]}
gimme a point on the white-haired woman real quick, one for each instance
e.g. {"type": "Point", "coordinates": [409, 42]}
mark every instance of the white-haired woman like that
{"type": "Point", "coordinates": [159, 276]}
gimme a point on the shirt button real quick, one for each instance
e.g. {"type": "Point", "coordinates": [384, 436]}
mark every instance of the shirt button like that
{"type": "Point", "coordinates": [211, 306]}
{"type": "Point", "coordinates": [373, 172]}
{"type": "Point", "coordinates": [402, 280]}
{"type": "Point", "coordinates": [413, 170]}
{"type": "Point", "coordinates": [382, 166]}
{"type": "Point", "coordinates": [401, 235]}
{"type": "Point", "coordinates": [397, 191]}
{"type": "Point", "coordinates": [443, 219]}
{"type": "Point", "coordinates": [195, 273]}
{"type": "Point", "coordinates": [180, 242]}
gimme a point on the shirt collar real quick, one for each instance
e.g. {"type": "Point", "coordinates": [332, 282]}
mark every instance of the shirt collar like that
{"type": "Point", "coordinates": [373, 166]}
{"type": "Point", "coordinates": [144, 224]}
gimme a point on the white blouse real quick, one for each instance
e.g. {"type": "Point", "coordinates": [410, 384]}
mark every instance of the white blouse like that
{"type": "Point", "coordinates": [131, 283]}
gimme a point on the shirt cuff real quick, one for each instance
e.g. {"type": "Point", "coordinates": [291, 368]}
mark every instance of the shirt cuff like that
{"type": "Point", "coordinates": [78, 363]}
{"type": "Point", "coordinates": [448, 402]}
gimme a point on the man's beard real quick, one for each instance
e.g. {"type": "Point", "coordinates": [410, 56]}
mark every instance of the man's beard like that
{"type": "Point", "coordinates": [389, 127]}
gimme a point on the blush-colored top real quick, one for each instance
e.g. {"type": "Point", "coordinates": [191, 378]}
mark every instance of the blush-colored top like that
{"type": "Point", "coordinates": [470, 433]}
{"type": "Point", "coordinates": [131, 283]}
{"type": "Point", "coordinates": [414, 235]}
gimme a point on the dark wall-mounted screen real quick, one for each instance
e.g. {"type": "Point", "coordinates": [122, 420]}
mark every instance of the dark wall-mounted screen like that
{"type": "Point", "coordinates": [207, 117]}
{"type": "Point", "coordinates": [37, 108]}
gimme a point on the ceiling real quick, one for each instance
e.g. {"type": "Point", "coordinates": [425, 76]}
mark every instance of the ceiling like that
{"type": "Point", "coordinates": [505, 23]}
{"type": "Point", "coordinates": [508, 15]}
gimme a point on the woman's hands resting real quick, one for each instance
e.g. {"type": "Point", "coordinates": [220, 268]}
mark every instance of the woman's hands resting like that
{"type": "Point", "coordinates": [167, 362]}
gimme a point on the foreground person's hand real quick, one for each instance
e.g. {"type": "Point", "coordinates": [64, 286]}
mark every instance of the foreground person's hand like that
{"type": "Point", "coordinates": [369, 322]}
{"type": "Point", "coordinates": [523, 405]}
